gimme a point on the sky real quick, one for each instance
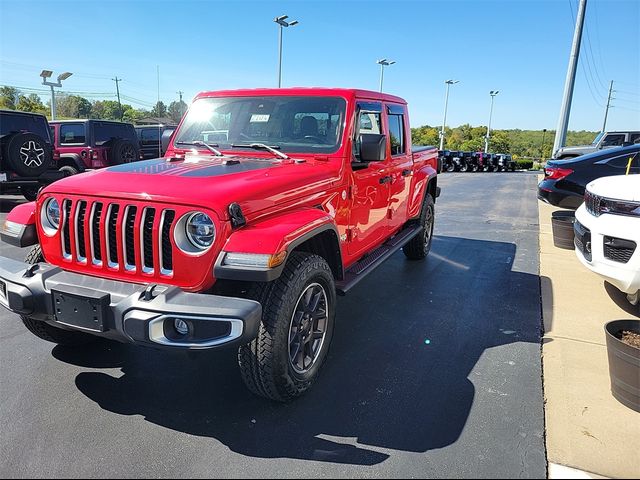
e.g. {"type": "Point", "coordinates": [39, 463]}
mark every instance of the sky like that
{"type": "Point", "coordinates": [518, 47]}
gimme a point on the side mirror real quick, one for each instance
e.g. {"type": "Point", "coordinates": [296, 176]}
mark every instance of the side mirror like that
{"type": "Point", "coordinates": [373, 147]}
{"type": "Point", "coordinates": [166, 139]}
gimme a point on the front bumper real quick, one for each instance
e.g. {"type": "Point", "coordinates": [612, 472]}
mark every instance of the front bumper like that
{"type": "Point", "coordinates": [624, 276]}
{"type": "Point", "coordinates": [127, 312]}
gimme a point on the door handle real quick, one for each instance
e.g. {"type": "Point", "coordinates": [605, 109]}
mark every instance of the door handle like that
{"type": "Point", "coordinates": [406, 173]}
{"type": "Point", "coordinates": [386, 179]}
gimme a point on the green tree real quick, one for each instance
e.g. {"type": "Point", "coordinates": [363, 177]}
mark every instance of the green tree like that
{"type": "Point", "coordinates": [159, 110]}
{"type": "Point", "coordinates": [73, 106]}
{"type": "Point", "coordinates": [9, 97]}
{"type": "Point", "coordinates": [31, 103]}
{"type": "Point", "coordinates": [176, 110]}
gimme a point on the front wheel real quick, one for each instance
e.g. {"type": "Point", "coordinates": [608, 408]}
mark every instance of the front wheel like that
{"type": "Point", "coordinates": [464, 167]}
{"type": "Point", "coordinates": [298, 312]}
{"type": "Point", "coordinates": [419, 246]}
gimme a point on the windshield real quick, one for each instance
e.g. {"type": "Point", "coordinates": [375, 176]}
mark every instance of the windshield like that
{"type": "Point", "coordinates": [597, 139]}
{"type": "Point", "coordinates": [292, 124]}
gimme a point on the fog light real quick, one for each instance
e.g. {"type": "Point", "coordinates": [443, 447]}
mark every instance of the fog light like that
{"type": "Point", "coordinates": [181, 326]}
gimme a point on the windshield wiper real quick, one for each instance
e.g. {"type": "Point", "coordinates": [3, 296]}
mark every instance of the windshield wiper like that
{"type": "Point", "coordinates": [208, 146]}
{"type": "Point", "coordinates": [262, 146]}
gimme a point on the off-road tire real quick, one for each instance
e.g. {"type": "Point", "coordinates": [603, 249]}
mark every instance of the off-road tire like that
{"type": "Point", "coordinates": [122, 151]}
{"type": "Point", "coordinates": [68, 170]}
{"type": "Point", "coordinates": [27, 154]}
{"type": "Point", "coordinates": [420, 245]}
{"type": "Point", "coordinates": [30, 193]}
{"type": "Point", "coordinates": [451, 167]}
{"type": "Point", "coordinates": [48, 332]}
{"type": "Point", "coordinates": [264, 363]}
{"type": "Point", "coordinates": [464, 167]}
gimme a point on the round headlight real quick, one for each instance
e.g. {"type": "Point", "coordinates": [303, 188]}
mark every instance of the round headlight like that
{"type": "Point", "coordinates": [51, 216]}
{"type": "Point", "coordinates": [200, 230]}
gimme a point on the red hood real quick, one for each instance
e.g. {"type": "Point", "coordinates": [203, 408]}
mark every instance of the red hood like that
{"type": "Point", "coordinates": [256, 184]}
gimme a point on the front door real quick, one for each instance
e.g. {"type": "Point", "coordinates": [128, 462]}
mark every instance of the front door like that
{"type": "Point", "coordinates": [370, 188]}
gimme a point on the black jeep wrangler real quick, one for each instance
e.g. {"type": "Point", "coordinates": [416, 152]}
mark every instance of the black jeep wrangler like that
{"type": "Point", "coordinates": [26, 154]}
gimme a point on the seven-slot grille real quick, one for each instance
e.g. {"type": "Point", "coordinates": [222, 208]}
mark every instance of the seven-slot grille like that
{"type": "Point", "coordinates": [111, 233]}
{"type": "Point", "coordinates": [592, 203]}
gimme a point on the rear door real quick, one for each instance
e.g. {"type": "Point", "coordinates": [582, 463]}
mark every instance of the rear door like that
{"type": "Point", "coordinates": [400, 165]}
{"type": "Point", "coordinates": [370, 190]}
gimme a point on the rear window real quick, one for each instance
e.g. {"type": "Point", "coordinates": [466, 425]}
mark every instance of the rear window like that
{"type": "Point", "coordinates": [24, 123]}
{"type": "Point", "coordinates": [72, 134]}
{"type": "Point", "coordinates": [103, 132]}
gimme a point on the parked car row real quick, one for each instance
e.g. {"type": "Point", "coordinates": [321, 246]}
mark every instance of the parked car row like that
{"type": "Point", "coordinates": [35, 153]}
{"type": "Point", "coordinates": [459, 161]}
{"type": "Point", "coordinates": [604, 187]}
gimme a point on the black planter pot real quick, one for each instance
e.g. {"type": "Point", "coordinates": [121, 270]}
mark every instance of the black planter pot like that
{"type": "Point", "coordinates": [624, 364]}
{"type": "Point", "coordinates": [562, 227]}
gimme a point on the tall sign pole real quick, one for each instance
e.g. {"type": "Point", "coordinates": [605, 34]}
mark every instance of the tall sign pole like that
{"type": "Point", "coordinates": [565, 109]}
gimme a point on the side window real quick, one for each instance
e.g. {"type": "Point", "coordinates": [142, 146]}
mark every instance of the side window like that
{"type": "Point", "coordinates": [634, 138]}
{"type": "Point", "coordinates": [104, 132]}
{"type": "Point", "coordinates": [396, 134]}
{"type": "Point", "coordinates": [613, 139]}
{"type": "Point", "coordinates": [368, 122]}
{"type": "Point", "coordinates": [72, 133]}
{"type": "Point", "coordinates": [150, 135]}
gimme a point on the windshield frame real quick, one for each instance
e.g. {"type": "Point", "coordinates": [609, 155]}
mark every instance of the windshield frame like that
{"type": "Point", "coordinates": [598, 138]}
{"type": "Point", "coordinates": [284, 144]}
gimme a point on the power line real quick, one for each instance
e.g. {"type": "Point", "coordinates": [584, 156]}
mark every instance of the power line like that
{"type": "Point", "coordinates": [118, 93]}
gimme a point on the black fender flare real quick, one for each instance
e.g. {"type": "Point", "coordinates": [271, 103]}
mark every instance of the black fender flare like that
{"type": "Point", "coordinates": [73, 159]}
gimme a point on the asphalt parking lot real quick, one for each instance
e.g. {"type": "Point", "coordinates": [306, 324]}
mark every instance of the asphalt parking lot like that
{"type": "Point", "coordinates": [434, 371]}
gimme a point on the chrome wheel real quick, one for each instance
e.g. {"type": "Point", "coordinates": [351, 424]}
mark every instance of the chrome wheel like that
{"type": "Point", "coordinates": [32, 154]}
{"type": "Point", "coordinates": [308, 328]}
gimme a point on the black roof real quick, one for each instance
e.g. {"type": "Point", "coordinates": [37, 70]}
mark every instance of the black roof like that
{"type": "Point", "coordinates": [87, 120]}
{"type": "Point", "coordinates": [4, 111]}
{"type": "Point", "coordinates": [161, 125]}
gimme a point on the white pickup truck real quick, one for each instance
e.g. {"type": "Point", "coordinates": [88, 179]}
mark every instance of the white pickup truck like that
{"type": "Point", "coordinates": [607, 232]}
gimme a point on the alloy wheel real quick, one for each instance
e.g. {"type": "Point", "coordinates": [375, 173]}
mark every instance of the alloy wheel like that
{"type": "Point", "coordinates": [308, 328]}
{"type": "Point", "coordinates": [32, 154]}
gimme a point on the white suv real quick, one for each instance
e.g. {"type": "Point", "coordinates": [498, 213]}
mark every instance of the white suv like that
{"type": "Point", "coordinates": [607, 232]}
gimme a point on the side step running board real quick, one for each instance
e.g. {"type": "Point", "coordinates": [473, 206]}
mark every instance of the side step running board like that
{"type": "Point", "coordinates": [367, 264]}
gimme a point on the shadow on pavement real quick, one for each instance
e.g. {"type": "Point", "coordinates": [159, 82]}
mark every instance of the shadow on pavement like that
{"type": "Point", "coordinates": [397, 376]}
{"type": "Point", "coordinates": [620, 299]}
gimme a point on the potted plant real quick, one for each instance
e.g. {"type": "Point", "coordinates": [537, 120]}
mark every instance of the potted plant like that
{"type": "Point", "coordinates": [623, 349]}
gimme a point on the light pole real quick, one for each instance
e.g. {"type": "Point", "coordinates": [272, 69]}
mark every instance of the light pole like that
{"type": "Point", "coordinates": [47, 74]}
{"type": "Point", "coordinates": [383, 62]}
{"type": "Point", "coordinates": [544, 132]}
{"type": "Point", "coordinates": [282, 22]}
{"type": "Point", "coordinates": [493, 93]}
{"type": "Point", "coordinates": [446, 101]}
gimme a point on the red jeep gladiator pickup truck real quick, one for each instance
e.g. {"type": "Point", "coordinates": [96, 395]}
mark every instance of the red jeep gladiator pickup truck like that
{"type": "Point", "coordinates": [267, 204]}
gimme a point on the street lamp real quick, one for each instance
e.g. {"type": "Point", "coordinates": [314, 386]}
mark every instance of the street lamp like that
{"type": "Point", "coordinates": [45, 74]}
{"type": "Point", "coordinates": [544, 132]}
{"type": "Point", "coordinates": [282, 22]}
{"type": "Point", "coordinates": [383, 62]}
{"type": "Point", "coordinates": [446, 101]}
{"type": "Point", "coordinates": [493, 93]}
